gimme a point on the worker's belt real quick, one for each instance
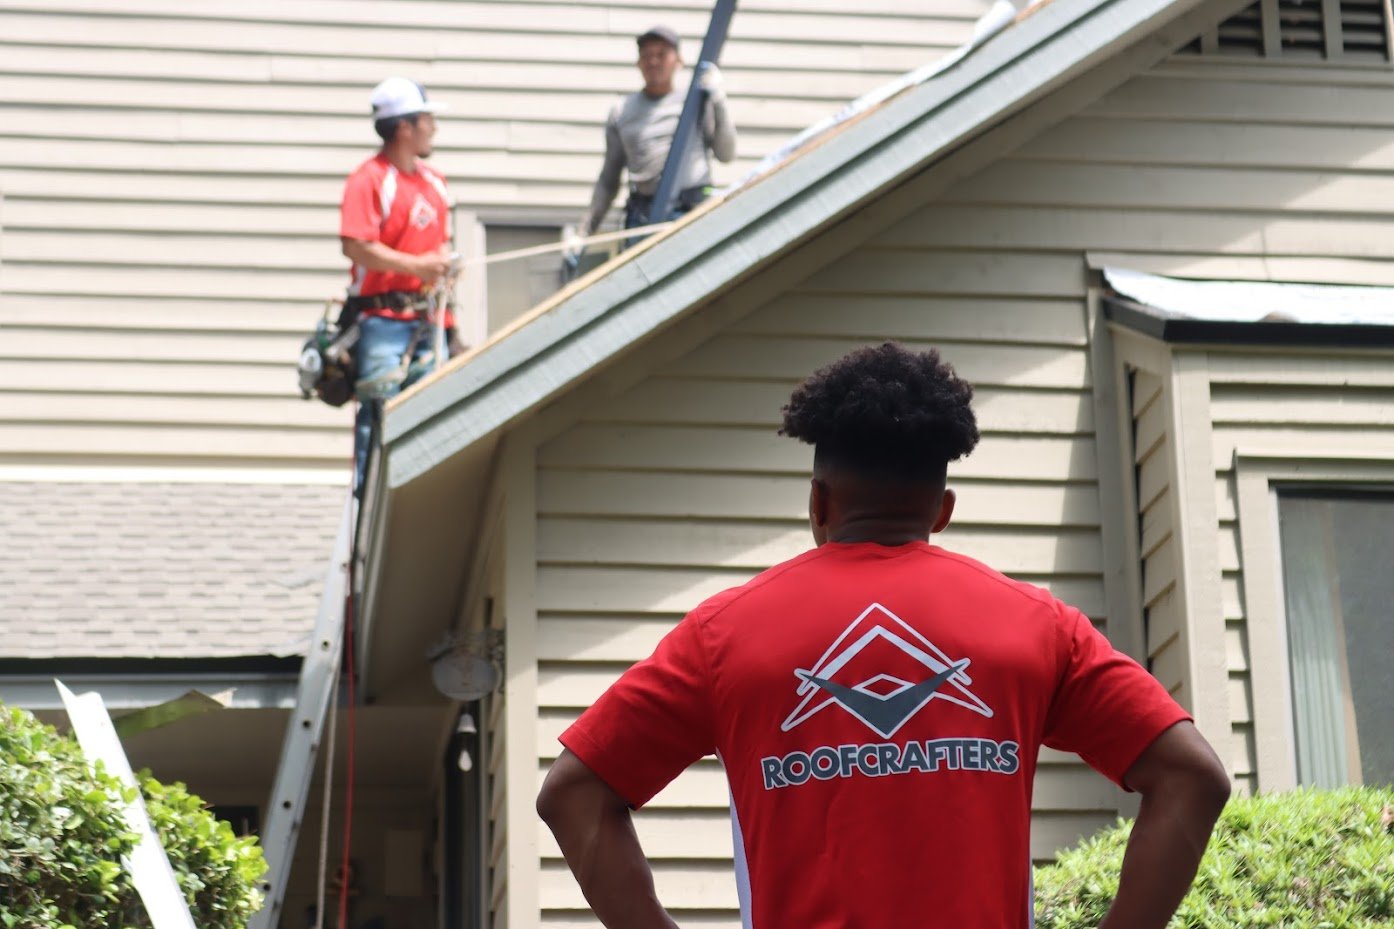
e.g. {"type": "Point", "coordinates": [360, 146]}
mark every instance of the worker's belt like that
{"type": "Point", "coordinates": [685, 200]}
{"type": "Point", "coordinates": [398, 301]}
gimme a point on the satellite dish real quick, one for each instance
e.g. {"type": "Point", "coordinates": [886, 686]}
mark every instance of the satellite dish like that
{"type": "Point", "coordinates": [462, 675]}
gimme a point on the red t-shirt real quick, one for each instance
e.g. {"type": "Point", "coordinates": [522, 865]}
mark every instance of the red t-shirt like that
{"type": "Point", "coordinates": [878, 711]}
{"type": "Point", "coordinates": [406, 212]}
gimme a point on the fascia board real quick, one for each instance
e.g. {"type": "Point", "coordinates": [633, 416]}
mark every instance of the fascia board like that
{"type": "Point", "coordinates": [519, 373]}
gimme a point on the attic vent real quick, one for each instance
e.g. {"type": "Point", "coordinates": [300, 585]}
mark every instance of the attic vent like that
{"type": "Point", "coordinates": [1302, 30]}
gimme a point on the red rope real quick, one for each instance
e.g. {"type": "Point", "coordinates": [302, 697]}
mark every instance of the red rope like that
{"type": "Point", "coordinates": [344, 873]}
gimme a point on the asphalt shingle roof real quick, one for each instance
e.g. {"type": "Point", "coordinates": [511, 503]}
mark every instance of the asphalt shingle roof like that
{"type": "Point", "coordinates": [162, 570]}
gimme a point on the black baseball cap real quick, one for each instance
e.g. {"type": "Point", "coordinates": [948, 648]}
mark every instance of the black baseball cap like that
{"type": "Point", "coordinates": [661, 33]}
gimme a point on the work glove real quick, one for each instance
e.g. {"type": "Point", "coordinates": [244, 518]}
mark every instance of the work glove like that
{"type": "Point", "coordinates": [574, 245]}
{"type": "Point", "coordinates": [709, 78]}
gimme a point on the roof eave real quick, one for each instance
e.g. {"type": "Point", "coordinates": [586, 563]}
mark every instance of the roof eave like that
{"type": "Point", "coordinates": [700, 258]}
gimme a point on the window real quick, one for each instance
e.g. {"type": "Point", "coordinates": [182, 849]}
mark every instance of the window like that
{"type": "Point", "coordinates": [1297, 30]}
{"type": "Point", "coordinates": [1338, 590]}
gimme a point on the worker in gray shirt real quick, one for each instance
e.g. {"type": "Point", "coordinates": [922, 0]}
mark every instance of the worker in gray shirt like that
{"type": "Point", "coordinates": [640, 131]}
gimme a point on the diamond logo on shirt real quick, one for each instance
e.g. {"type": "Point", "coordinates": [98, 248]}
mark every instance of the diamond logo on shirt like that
{"type": "Point", "coordinates": [883, 671]}
{"type": "Point", "coordinates": [422, 215]}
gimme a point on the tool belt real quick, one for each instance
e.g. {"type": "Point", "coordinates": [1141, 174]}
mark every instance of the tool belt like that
{"type": "Point", "coordinates": [401, 301]}
{"type": "Point", "coordinates": [638, 207]}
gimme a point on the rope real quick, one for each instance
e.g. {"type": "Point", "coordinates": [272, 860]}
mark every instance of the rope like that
{"type": "Point", "coordinates": [563, 246]}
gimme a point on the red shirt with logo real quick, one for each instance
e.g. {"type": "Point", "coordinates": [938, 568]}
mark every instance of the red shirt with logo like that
{"type": "Point", "coordinates": [406, 212]}
{"type": "Point", "coordinates": [878, 711]}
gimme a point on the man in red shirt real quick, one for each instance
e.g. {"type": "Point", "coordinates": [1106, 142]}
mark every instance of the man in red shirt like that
{"type": "Point", "coordinates": [394, 225]}
{"type": "Point", "coordinates": [878, 703]}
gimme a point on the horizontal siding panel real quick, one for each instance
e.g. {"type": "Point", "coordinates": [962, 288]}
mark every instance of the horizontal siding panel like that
{"type": "Point", "coordinates": [176, 409]}
{"type": "Point", "coordinates": [1041, 183]}
{"type": "Point", "coordinates": [726, 449]}
{"type": "Point", "coordinates": [623, 19]}
{"type": "Point", "coordinates": [1365, 441]}
{"type": "Point", "coordinates": [1164, 622]}
{"type": "Point", "coordinates": [887, 271]}
{"type": "Point", "coordinates": [157, 346]}
{"type": "Point", "coordinates": [1169, 666]}
{"type": "Point", "coordinates": [1241, 699]}
{"type": "Point", "coordinates": [1297, 102]}
{"type": "Point", "coordinates": [697, 401]}
{"type": "Point", "coordinates": [1147, 389]}
{"type": "Point", "coordinates": [788, 359]}
{"type": "Point", "coordinates": [1245, 763]}
{"type": "Point", "coordinates": [1159, 571]}
{"type": "Point", "coordinates": [1229, 547]}
{"type": "Point", "coordinates": [757, 546]}
{"type": "Point", "coordinates": [1236, 646]}
{"type": "Point", "coordinates": [286, 445]}
{"type": "Point", "coordinates": [1061, 229]}
{"type": "Point", "coordinates": [878, 317]}
{"type": "Point", "coordinates": [161, 281]}
{"type": "Point", "coordinates": [1344, 406]}
{"type": "Point", "coordinates": [1149, 431]}
{"type": "Point", "coordinates": [1154, 477]}
{"type": "Point", "coordinates": [24, 213]}
{"type": "Point", "coordinates": [571, 492]}
{"type": "Point", "coordinates": [1339, 371]}
{"type": "Point", "coordinates": [57, 313]}
{"type": "Point", "coordinates": [1232, 143]}
{"type": "Point", "coordinates": [221, 380]}
{"type": "Point", "coordinates": [1156, 526]}
{"type": "Point", "coordinates": [667, 833]}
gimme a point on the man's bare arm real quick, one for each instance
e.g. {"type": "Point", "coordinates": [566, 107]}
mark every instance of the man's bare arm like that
{"type": "Point", "coordinates": [1184, 787]}
{"type": "Point", "coordinates": [596, 834]}
{"type": "Point", "coordinates": [375, 256]}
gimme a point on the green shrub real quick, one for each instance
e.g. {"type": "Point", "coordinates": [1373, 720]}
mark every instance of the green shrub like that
{"type": "Point", "coordinates": [62, 835]}
{"type": "Point", "coordinates": [1308, 859]}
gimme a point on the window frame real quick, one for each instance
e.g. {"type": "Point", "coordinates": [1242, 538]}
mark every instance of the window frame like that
{"type": "Point", "coordinates": [1259, 476]}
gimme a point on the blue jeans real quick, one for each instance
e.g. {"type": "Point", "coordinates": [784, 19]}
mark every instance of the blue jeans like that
{"type": "Point", "coordinates": [381, 344]}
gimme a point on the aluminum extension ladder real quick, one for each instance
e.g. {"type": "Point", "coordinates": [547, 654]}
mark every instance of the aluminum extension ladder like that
{"type": "Point", "coordinates": [319, 675]}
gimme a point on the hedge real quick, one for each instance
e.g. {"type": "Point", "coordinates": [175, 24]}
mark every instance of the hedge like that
{"type": "Point", "coordinates": [1307, 859]}
{"type": "Point", "coordinates": [62, 836]}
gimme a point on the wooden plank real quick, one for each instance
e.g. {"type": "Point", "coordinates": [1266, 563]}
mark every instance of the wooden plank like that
{"type": "Point", "coordinates": [756, 546]}
{"type": "Point", "coordinates": [710, 448]}
{"type": "Point", "coordinates": [984, 504]}
{"type": "Point", "coordinates": [897, 271]}
{"type": "Point", "coordinates": [867, 316]}
{"type": "Point", "coordinates": [700, 401]}
{"type": "Point", "coordinates": [785, 359]}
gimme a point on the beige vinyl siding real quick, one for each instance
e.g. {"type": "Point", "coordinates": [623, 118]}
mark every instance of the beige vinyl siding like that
{"type": "Point", "coordinates": [170, 175]}
{"type": "Point", "coordinates": [679, 487]}
{"type": "Point", "coordinates": [1318, 404]}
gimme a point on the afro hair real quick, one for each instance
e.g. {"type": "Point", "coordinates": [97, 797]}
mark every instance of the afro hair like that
{"type": "Point", "coordinates": [885, 410]}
